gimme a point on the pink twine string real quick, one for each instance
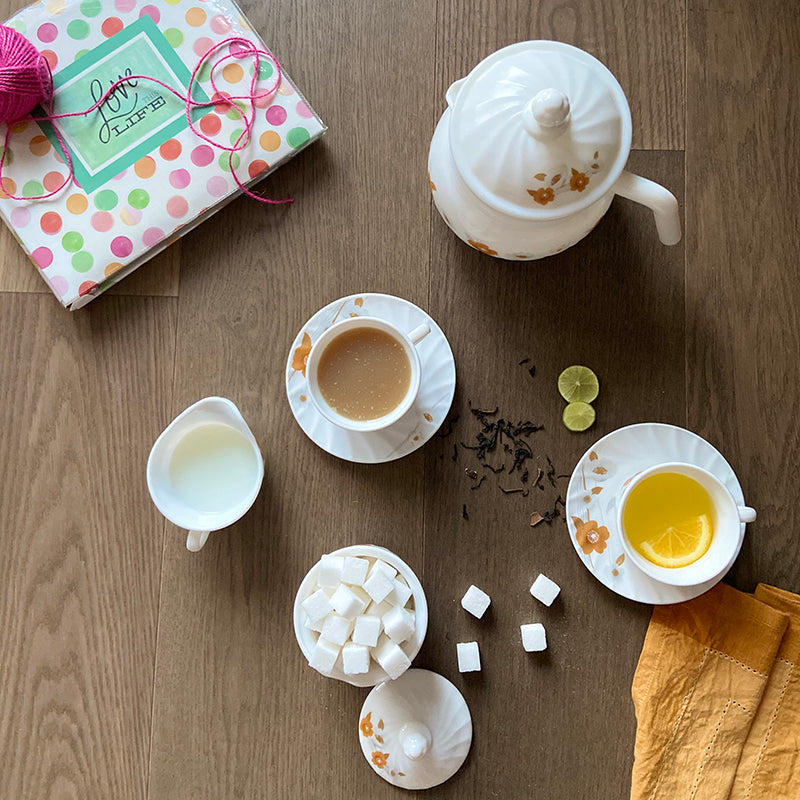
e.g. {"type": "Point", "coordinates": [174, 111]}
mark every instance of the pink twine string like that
{"type": "Point", "coordinates": [244, 48]}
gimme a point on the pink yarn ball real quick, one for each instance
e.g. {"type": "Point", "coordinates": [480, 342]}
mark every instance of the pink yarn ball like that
{"type": "Point", "coordinates": [25, 79]}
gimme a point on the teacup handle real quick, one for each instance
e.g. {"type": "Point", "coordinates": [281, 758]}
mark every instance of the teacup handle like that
{"type": "Point", "coordinates": [419, 333]}
{"type": "Point", "coordinates": [196, 539]}
{"type": "Point", "coordinates": [747, 514]}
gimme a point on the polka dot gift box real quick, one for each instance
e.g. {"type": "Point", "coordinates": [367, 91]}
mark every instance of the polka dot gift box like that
{"type": "Point", "coordinates": [143, 178]}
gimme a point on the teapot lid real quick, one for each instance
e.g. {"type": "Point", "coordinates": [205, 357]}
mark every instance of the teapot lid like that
{"type": "Point", "coordinates": [540, 129]}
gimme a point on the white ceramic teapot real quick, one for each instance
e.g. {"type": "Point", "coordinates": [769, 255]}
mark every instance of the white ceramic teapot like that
{"type": "Point", "coordinates": [531, 150]}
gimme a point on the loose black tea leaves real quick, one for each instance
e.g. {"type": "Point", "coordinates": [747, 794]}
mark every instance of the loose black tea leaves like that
{"type": "Point", "coordinates": [450, 423]}
{"type": "Point", "coordinates": [532, 372]}
{"type": "Point", "coordinates": [496, 470]}
{"type": "Point", "coordinates": [464, 514]}
{"type": "Point", "coordinates": [524, 361]}
{"type": "Point", "coordinates": [524, 492]}
{"type": "Point", "coordinates": [483, 478]}
{"type": "Point", "coordinates": [455, 453]}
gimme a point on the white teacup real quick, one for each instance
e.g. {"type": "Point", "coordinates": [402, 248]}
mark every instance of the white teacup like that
{"type": "Point", "coordinates": [175, 504]}
{"type": "Point", "coordinates": [728, 517]}
{"type": "Point", "coordinates": [409, 342]}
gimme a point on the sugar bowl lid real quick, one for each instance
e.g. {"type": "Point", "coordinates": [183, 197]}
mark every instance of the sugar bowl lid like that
{"type": "Point", "coordinates": [539, 129]}
{"type": "Point", "coordinates": [415, 731]}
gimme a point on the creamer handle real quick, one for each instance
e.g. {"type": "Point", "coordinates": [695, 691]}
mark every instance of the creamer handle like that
{"type": "Point", "coordinates": [195, 540]}
{"type": "Point", "coordinates": [660, 200]}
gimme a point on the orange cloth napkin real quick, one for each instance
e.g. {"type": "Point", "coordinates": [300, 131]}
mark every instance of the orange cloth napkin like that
{"type": "Point", "coordinates": [717, 699]}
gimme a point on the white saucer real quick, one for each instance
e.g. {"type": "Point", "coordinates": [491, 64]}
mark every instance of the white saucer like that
{"type": "Point", "coordinates": [597, 483]}
{"type": "Point", "coordinates": [422, 420]}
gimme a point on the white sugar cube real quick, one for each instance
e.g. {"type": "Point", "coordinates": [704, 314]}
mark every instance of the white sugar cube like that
{"type": "Point", "coordinates": [398, 624]}
{"type": "Point", "coordinates": [545, 590]}
{"type": "Point", "coordinates": [533, 637]}
{"type": "Point", "coordinates": [476, 601]}
{"type": "Point", "coordinates": [367, 630]}
{"type": "Point", "coordinates": [317, 605]}
{"type": "Point", "coordinates": [379, 609]}
{"type": "Point", "coordinates": [381, 566]}
{"type": "Point", "coordinates": [355, 659]}
{"type": "Point", "coordinates": [324, 656]}
{"type": "Point", "coordinates": [378, 585]}
{"type": "Point", "coordinates": [336, 629]}
{"type": "Point", "coordinates": [400, 593]}
{"type": "Point", "coordinates": [354, 570]}
{"type": "Point", "coordinates": [469, 657]}
{"type": "Point", "coordinates": [391, 657]}
{"type": "Point", "coordinates": [329, 571]}
{"type": "Point", "coordinates": [316, 626]}
{"type": "Point", "coordinates": [346, 602]}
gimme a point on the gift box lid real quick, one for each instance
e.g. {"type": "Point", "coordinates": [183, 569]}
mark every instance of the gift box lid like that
{"type": "Point", "coordinates": [142, 177]}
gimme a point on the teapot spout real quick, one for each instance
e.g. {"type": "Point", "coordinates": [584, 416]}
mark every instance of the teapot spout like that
{"type": "Point", "coordinates": [659, 200]}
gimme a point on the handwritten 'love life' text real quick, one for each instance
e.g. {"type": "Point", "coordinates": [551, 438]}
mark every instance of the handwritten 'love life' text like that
{"type": "Point", "coordinates": [123, 108]}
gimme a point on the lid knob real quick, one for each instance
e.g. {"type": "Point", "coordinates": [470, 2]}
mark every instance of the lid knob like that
{"type": "Point", "coordinates": [547, 115]}
{"type": "Point", "coordinates": [416, 738]}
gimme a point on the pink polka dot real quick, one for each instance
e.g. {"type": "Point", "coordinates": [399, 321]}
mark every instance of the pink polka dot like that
{"type": "Point", "coordinates": [239, 50]}
{"type": "Point", "coordinates": [53, 181]}
{"type": "Point", "coordinates": [120, 176]}
{"type": "Point", "coordinates": [303, 110]}
{"type": "Point", "coordinates": [276, 115]}
{"type": "Point", "coordinates": [202, 46]}
{"type": "Point", "coordinates": [47, 32]}
{"type": "Point", "coordinates": [217, 186]}
{"type": "Point", "coordinates": [43, 256]}
{"type": "Point", "coordinates": [124, 5]}
{"type": "Point", "coordinates": [102, 221]}
{"type": "Point", "coordinates": [59, 285]}
{"type": "Point", "coordinates": [152, 236]}
{"type": "Point", "coordinates": [220, 24]}
{"type": "Point", "coordinates": [20, 217]}
{"type": "Point", "coordinates": [177, 206]}
{"type": "Point", "coordinates": [202, 155]}
{"type": "Point", "coordinates": [152, 12]}
{"type": "Point", "coordinates": [121, 246]}
{"type": "Point", "coordinates": [263, 100]}
{"type": "Point", "coordinates": [179, 178]}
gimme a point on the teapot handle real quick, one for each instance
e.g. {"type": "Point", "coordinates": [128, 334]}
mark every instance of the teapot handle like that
{"type": "Point", "coordinates": [661, 201]}
{"type": "Point", "coordinates": [452, 92]}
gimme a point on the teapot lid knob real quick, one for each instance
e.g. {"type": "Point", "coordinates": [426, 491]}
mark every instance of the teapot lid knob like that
{"type": "Point", "coordinates": [547, 115]}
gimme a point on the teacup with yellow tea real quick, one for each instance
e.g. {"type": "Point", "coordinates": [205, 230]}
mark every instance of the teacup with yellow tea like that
{"type": "Point", "coordinates": [680, 524]}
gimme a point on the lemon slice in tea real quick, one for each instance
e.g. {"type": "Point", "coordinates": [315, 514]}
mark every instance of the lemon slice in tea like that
{"type": "Point", "coordinates": [680, 545]}
{"type": "Point", "coordinates": [578, 385]}
{"type": "Point", "coordinates": [578, 416]}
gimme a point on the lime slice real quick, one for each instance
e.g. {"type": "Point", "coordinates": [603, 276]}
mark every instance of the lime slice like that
{"type": "Point", "coordinates": [578, 384]}
{"type": "Point", "coordinates": [578, 416]}
{"type": "Point", "coordinates": [680, 545]}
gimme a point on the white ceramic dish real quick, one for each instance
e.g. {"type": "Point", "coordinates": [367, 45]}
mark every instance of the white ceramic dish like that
{"type": "Point", "coordinates": [307, 638]}
{"type": "Point", "coordinates": [437, 384]}
{"type": "Point", "coordinates": [597, 485]}
{"type": "Point", "coordinates": [415, 732]}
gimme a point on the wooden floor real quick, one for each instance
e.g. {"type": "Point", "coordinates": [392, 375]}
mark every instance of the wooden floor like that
{"type": "Point", "coordinates": [132, 669]}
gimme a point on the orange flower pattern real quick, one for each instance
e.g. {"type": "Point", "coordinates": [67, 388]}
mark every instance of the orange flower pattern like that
{"type": "Point", "coordinates": [542, 196]}
{"type": "Point", "coordinates": [579, 181]}
{"type": "Point", "coordinates": [379, 759]}
{"type": "Point", "coordinates": [366, 726]}
{"type": "Point", "coordinates": [484, 248]}
{"type": "Point", "coordinates": [590, 536]}
{"type": "Point", "coordinates": [300, 355]}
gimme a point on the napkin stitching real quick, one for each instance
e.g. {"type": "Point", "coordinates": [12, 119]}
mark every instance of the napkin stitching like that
{"type": "Point", "coordinates": [786, 661]}
{"type": "Point", "coordinates": [736, 661]}
{"type": "Point", "coordinates": [708, 749]}
{"type": "Point", "coordinates": [769, 731]}
{"type": "Point", "coordinates": [673, 733]}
